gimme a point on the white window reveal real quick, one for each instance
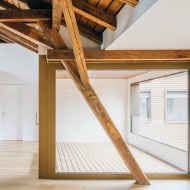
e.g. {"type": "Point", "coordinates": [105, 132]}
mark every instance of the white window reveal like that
{"type": "Point", "coordinates": [145, 105]}
{"type": "Point", "coordinates": [176, 106]}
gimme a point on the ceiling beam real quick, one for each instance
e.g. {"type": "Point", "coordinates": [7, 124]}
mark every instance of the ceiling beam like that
{"type": "Point", "coordinates": [7, 6]}
{"type": "Point", "coordinates": [132, 3]}
{"type": "Point", "coordinates": [16, 37]}
{"type": "Point", "coordinates": [56, 15]}
{"type": "Point", "coordinates": [122, 55]}
{"type": "Point", "coordinates": [95, 14]}
{"type": "Point", "coordinates": [18, 41]}
{"type": "Point", "coordinates": [32, 15]}
{"type": "Point", "coordinates": [44, 15]}
{"type": "Point", "coordinates": [35, 4]}
{"type": "Point", "coordinates": [28, 32]}
{"type": "Point", "coordinates": [3, 39]}
{"type": "Point", "coordinates": [53, 35]}
{"type": "Point", "coordinates": [75, 38]}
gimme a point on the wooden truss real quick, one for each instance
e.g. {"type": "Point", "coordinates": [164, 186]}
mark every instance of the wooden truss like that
{"type": "Point", "coordinates": [15, 26]}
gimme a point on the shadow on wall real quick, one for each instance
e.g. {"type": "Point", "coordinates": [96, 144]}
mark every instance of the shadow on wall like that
{"type": "Point", "coordinates": [6, 78]}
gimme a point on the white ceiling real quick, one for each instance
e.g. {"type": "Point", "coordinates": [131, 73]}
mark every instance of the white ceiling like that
{"type": "Point", "coordinates": [165, 25]}
{"type": "Point", "coordinates": [103, 74]}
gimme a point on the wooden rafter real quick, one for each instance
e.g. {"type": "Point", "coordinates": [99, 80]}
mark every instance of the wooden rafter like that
{"type": "Point", "coordinates": [122, 55]}
{"type": "Point", "coordinates": [95, 14]}
{"type": "Point", "coordinates": [53, 35]}
{"type": "Point", "coordinates": [32, 15]}
{"type": "Point", "coordinates": [20, 41]}
{"type": "Point", "coordinates": [75, 38]}
{"type": "Point", "coordinates": [28, 32]}
{"type": "Point", "coordinates": [4, 39]}
{"type": "Point", "coordinates": [88, 33]}
{"type": "Point", "coordinates": [56, 15]}
{"type": "Point", "coordinates": [35, 4]}
{"type": "Point", "coordinates": [132, 3]}
{"type": "Point", "coordinates": [7, 6]}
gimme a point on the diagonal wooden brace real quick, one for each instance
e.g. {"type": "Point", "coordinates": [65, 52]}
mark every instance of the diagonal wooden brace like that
{"type": "Point", "coordinates": [106, 122]}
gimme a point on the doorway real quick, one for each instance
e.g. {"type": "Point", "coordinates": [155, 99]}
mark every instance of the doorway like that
{"type": "Point", "coordinates": [11, 106]}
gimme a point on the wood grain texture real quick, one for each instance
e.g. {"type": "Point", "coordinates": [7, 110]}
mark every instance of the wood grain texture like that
{"type": "Point", "coordinates": [28, 32]}
{"type": "Point", "coordinates": [122, 55]}
{"type": "Point", "coordinates": [19, 40]}
{"type": "Point", "coordinates": [25, 15]}
{"type": "Point", "coordinates": [52, 34]}
{"type": "Point", "coordinates": [108, 125]}
{"type": "Point", "coordinates": [102, 157]}
{"type": "Point", "coordinates": [132, 3]}
{"type": "Point", "coordinates": [95, 14]}
{"type": "Point", "coordinates": [57, 14]}
{"type": "Point", "coordinates": [75, 38]}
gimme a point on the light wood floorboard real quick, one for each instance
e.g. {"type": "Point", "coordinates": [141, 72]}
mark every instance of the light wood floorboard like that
{"type": "Point", "coordinates": [103, 158]}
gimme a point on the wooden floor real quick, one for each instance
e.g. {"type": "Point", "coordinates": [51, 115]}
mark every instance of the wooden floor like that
{"type": "Point", "coordinates": [19, 171]}
{"type": "Point", "coordinates": [103, 157]}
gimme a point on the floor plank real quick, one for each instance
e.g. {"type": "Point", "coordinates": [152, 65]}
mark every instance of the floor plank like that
{"type": "Point", "coordinates": [103, 158]}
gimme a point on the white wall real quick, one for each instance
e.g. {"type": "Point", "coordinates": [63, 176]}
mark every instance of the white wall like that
{"type": "Point", "coordinates": [163, 26]}
{"type": "Point", "coordinates": [75, 120]}
{"type": "Point", "coordinates": [172, 155]}
{"type": "Point", "coordinates": [20, 66]}
{"type": "Point", "coordinates": [125, 18]}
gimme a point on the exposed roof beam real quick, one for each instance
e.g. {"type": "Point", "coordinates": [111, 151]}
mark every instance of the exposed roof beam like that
{"type": "Point", "coordinates": [95, 14]}
{"type": "Point", "coordinates": [32, 15]}
{"type": "Point", "coordinates": [132, 3]}
{"type": "Point", "coordinates": [16, 37]}
{"type": "Point", "coordinates": [28, 32]}
{"type": "Point", "coordinates": [3, 39]}
{"type": "Point", "coordinates": [56, 15]}
{"type": "Point", "coordinates": [53, 35]}
{"type": "Point", "coordinates": [122, 55]}
{"type": "Point", "coordinates": [35, 4]}
{"type": "Point", "coordinates": [18, 4]}
{"type": "Point", "coordinates": [16, 40]}
{"type": "Point", "coordinates": [7, 6]}
{"type": "Point", "coordinates": [36, 15]}
{"type": "Point", "coordinates": [75, 38]}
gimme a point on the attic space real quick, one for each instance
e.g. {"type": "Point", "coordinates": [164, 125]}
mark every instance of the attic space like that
{"type": "Point", "coordinates": [94, 94]}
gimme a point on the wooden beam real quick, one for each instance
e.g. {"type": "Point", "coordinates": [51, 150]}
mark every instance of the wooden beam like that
{"type": "Point", "coordinates": [53, 35]}
{"type": "Point", "coordinates": [132, 3]}
{"type": "Point", "coordinates": [14, 37]}
{"type": "Point", "coordinates": [32, 15]}
{"type": "Point", "coordinates": [44, 15]}
{"type": "Point", "coordinates": [108, 125]}
{"type": "Point", "coordinates": [4, 39]}
{"type": "Point", "coordinates": [16, 40]}
{"type": "Point", "coordinates": [56, 15]}
{"type": "Point", "coordinates": [95, 14]}
{"type": "Point", "coordinates": [75, 38]}
{"type": "Point", "coordinates": [7, 6]}
{"type": "Point", "coordinates": [122, 55]}
{"type": "Point", "coordinates": [18, 4]}
{"type": "Point", "coordinates": [88, 33]}
{"type": "Point", "coordinates": [36, 4]}
{"type": "Point", "coordinates": [28, 32]}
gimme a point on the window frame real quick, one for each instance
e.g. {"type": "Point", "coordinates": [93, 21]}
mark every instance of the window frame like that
{"type": "Point", "coordinates": [146, 120]}
{"type": "Point", "coordinates": [165, 107]}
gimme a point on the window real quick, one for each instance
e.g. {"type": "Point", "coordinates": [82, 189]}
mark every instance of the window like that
{"type": "Point", "coordinates": [176, 106]}
{"type": "Point", "coordinates": [145, 105]}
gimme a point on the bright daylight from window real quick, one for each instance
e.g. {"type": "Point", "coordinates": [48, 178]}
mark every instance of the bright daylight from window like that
{"type": "Point", "coordinates": [161, 112]}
